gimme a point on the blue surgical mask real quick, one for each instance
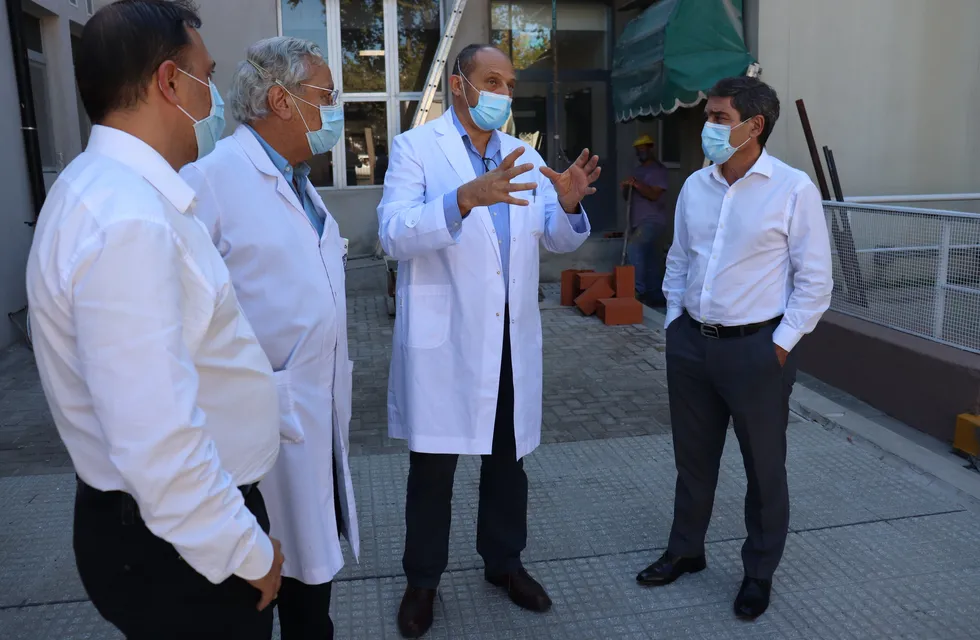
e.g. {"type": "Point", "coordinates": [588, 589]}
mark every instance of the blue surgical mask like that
{"type": "Point", "coordinates": [716, 141]}
{"type": "Point", "coordinates": [331, 125]}
{"type": "Point", "coordinates": [208, 131]}
{"type": "Point", "coordinates": [492, 109]}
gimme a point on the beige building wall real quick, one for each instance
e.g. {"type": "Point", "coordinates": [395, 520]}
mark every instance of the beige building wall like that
{"type": "Point", "coordinates": [890, 85]}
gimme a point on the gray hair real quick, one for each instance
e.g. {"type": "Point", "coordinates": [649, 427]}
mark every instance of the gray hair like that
{"type": "Point", "coordinates": [282, 59]}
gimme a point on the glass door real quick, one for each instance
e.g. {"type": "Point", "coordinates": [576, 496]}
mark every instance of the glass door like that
{"type": "Point", "coordinates": [584, 123]}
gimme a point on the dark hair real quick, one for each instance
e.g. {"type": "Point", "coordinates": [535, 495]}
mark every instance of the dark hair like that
{"type": "Point", "coordinates": [123, 45]}
{"type": "Point", "coordinates": [750, 97]}
{"type": "Point", "coordinates": [465, 59]}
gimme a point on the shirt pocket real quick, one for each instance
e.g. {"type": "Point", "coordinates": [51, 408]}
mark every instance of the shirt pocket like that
{"type": "Point", "coordinates": [290, 428]}
{"type": "Point", "coordinates": [424, 310]}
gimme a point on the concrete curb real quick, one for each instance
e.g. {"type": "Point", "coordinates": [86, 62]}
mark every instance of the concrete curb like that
{"type": "Point", "coordinates": [814, 406]}
{"type": "Point", "coordinates": [825, 412]}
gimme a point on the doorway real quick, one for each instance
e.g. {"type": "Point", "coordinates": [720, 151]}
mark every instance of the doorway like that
{"type": "Point", "coordinates": [583, 123]}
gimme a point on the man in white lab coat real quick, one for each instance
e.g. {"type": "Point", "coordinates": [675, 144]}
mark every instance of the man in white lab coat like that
{"type": "Point", "coordinates": [466, 364]}
{"type": "Point", "coordinates": [285, 255]}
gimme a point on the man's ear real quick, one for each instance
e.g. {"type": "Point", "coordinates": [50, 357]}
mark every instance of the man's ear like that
{"type": "Point", "coordinates": [456, 85]}
{"type": "Point", "coordinates": [166, 79]}
{"type": "Point", "coordinates": [279, 102]}
{"type": "Point", "coordinates": [758, 125]}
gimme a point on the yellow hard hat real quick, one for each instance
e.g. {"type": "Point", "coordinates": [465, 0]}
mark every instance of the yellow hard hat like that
{"type": "Point", "coordinates": [642, 140]}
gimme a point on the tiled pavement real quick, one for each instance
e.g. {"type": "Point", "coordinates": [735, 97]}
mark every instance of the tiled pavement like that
{"type": "Point", "coordinates": [878, 550]}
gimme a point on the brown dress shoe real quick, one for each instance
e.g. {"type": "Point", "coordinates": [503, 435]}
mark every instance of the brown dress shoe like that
{"type": "Point", "coordinates": [523, 590]}
{"type": "Point", "coordinates": [415, 612]}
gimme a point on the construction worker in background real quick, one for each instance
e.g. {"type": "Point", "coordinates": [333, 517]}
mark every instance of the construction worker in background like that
{"type": "Point", "coordinates": [648, 221]}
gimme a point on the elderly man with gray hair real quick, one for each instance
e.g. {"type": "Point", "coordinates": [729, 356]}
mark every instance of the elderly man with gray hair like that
{"type": "Point", "coordinates": [285, 255]}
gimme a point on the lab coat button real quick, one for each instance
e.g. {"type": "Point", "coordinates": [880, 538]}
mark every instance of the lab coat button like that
{"type": "Point", "coordinates": [498, 315]}
{"type": "Point", "coordinates": [498, 273]}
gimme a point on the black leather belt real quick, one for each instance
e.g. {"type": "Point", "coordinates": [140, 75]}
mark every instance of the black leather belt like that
{"type": "Point", "coordinates": [128, 509]}
{"type": "Point", "coordinates": [719, 332]}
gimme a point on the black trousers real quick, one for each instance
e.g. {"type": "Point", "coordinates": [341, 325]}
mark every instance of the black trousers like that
{"type": "Point", "coordinates": [501, 533]}
{"type": "Point", "coordinates": [304, 609]}
{"type": "Point", "coordinates": [140, 584]}
{"type": "Point", "coordinates": [709, 382]}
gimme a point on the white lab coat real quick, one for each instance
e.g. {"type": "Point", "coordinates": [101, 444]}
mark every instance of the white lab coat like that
{"type": "Point", "coordinates": [448, 336]}
{"type": "Point", "coordinates": [291, 287]}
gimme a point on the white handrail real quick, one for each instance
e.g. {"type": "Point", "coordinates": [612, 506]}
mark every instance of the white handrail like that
{"type": "Point", "coordinates": [920, 197]}
{"type": "Point", "coordinates": [855, 206]}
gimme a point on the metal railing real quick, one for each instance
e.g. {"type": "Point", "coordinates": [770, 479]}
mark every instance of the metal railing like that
{"type": "Point", "coordinates": [913, 270]}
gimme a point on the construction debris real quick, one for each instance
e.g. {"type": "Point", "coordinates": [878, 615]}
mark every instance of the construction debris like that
{"type": "Point", "coordinates": [611, 296]}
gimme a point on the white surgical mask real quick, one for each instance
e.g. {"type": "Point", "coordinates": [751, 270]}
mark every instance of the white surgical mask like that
{"type": "Point", "coordinates": [208, 130]}
{"type": "Point", "coordinates": [716, 141]}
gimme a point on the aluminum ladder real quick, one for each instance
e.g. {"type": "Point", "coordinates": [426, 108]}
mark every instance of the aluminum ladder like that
{"type": "Point", "coordinates": [421, 116]}
{"type": "Point", "coordinates": [439, 64]}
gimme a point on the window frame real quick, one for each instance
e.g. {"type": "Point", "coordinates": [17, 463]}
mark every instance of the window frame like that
{"type": "Point", "coordinates": [392, 96]}
{"type": "Point", "coordinates": [673, 164]}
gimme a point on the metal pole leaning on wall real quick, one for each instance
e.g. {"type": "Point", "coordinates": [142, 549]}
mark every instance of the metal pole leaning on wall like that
{"type": "Point", "coordinates": [855, 291]}
{"type": "Point", "coordinates": [852, 268]}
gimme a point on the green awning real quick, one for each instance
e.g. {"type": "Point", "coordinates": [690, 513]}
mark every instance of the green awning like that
{"type": "Point", "coordinates": [672, 53]}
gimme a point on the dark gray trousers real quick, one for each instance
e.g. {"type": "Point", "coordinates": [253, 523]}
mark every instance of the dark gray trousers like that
{"type": "Point", "coordinates": [710, 381]}
{"type": "Point", "coordinates": [501, 526]}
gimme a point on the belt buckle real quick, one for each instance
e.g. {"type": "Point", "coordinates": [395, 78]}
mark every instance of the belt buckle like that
{"type": "Point", "coordinates": [710, 331]}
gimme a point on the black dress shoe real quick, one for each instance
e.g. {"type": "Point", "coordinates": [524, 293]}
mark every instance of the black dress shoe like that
{"type": "Point", "coordinates": [415, 612]}
{"type": "Point", "coordinates": [523, 590]}
{"type": "Point", "coordinates": [669, 568]}
{"type": "Point", "coordinates": [753, 598]}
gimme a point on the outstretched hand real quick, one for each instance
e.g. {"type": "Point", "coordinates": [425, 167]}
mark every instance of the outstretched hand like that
{"type": "Point", "coordinates": [575, 182]}
{"type": "Point", "coordinates": [495, 186]}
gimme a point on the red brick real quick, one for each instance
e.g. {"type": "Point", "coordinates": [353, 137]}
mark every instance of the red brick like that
{"type": "Point", "coordinates": [616, 311]}
{"type": "Point", "coordinates": [586, 302]}
{"type": "Point", "coordinates": [569, 288]}
{"type": "Point", "coordinates": [589, 278]}
{"type": "Point", "coordinates": [624, 282]}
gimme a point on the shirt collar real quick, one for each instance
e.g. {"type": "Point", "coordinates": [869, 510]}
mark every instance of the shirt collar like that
{"type": "Point", "coordinates": [493, 147]}
{"type": "Point", "coordinates": [144, 160]}
{"type": "Point", "coordinates": [301, 170]}
{"type": "Point", "coordinates": [762, 166]}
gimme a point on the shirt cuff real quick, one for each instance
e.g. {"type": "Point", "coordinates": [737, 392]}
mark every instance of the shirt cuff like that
{"type": "Point", "coordinates": [454, 219]}
{"type": "Point", "coordinates": [786, 337]}
{"type": "Point", "coordinates": [673, 313]}
{"type": "Point", "coordinates": [259, 559]}
{"type": "Point", "coordinates": [577, 220]}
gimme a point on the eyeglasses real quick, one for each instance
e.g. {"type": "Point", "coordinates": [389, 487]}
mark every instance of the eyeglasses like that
{"type": "Point", "coordinates": [489, 164]}
{"type": "Point", "coordinates": [333, 95]}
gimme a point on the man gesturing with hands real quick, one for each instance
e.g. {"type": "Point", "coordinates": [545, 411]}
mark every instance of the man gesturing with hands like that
{"type": "Point", "coordinates": [464, 220]}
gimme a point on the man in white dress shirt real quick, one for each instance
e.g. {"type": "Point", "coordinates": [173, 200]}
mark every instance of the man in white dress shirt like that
{"type": "Point", "coordinates": [285, 255]}
{"type": "Point", "coordinates": [157, 384]}
{"type": "Point", "coordinates": [748, 275]}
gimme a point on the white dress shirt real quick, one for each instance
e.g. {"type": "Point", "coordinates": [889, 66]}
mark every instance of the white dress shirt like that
{"type": "Point", "coordinates": [155, 379]}
{"type": "Point", "coordinates": [751, 251]}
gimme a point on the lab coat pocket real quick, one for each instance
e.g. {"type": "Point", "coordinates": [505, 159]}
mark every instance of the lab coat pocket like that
{"type": "Point", "coordinates": [535, 213]}
{"type": "Point", "coordinates": [424, 308]}
{"type": "Point", "coordinates": [290, 429]}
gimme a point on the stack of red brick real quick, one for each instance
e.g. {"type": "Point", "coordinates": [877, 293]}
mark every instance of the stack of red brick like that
{"type": "Point", "coordinates": [611, 296]}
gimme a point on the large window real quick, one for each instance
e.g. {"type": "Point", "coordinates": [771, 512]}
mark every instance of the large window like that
{"type": "Point", "coordinates": [523, 30]}
{"type": "Point", "coordinates": [380, 52]}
